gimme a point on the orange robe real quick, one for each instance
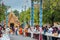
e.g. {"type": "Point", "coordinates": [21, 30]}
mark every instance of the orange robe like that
{"type": "Point", "coordinates": [20, 31]}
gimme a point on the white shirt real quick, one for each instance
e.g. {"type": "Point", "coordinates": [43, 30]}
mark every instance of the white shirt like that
{"type": "Point", "coordinates": [50, 30]}
{"type": "Point", "coordinates": [7, 30]}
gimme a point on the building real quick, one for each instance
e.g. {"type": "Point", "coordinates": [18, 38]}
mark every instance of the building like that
{"type": "Point", "coordinates": [12, 20]}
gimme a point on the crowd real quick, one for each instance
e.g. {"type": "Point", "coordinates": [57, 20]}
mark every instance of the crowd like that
{"type": "Point", "coordinates": [25, 31]}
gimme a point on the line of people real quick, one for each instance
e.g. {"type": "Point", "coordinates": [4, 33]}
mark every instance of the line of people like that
{"type": "Point", "coordinates": [25, 31]}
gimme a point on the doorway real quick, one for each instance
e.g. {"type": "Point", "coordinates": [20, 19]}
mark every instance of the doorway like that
{"type": "Point", "coordinates": [12, 26]}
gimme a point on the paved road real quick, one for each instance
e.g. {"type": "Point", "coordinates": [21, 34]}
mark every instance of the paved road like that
{"type": "Point", "coordinates": [14, 37]}
{"type": "Point", "coordinates": [5, 37]}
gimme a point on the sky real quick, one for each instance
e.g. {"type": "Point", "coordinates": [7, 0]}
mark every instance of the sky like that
{"type": "Point", "coordinates": [17, 4]}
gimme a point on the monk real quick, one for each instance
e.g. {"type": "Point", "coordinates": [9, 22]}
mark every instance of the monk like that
{"type": "Point", "coordinates": [20, 30]}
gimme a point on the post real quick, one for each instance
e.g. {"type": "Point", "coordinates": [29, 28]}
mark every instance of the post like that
{"type": "Point", "coordinates": [40, 15]}
{"type": "Point", "coordinates": [6, 18]}
{"type": "Point", "coordinates": [32, 13]}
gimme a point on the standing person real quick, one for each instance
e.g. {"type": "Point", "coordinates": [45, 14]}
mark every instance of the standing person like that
{"type": "Point", "coordinates": [44, 30]}
{"type": "Point", "coordinates": [36, 29]}
{"type": "Point", "coordinates": [50, 29]}
{"type": "Point", "coordinates": [55, 33]}
{"type": "Point", "coordinates": [7, 30]}
{"type": "Point", "coordinates": [26, 31]}
{"type": "Point", "coordinates": [41, 36]}
{"type": "Point", "coordinates": [11, 32]}
{"type": "Point", "coordinates": [16, 29]}
{"type": "Point", "coordinates": [0, 31]}
{"type": "Point", "coordinates": [20, 30]}
{"type": "Point", "coordinates": [13, 29]}
{"type": "Point", "coordinates": [3, 30]}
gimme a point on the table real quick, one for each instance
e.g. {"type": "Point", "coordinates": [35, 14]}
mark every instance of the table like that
{"type": "Point", "coordinates": [49, 35]}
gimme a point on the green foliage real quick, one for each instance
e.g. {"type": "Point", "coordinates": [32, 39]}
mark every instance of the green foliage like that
{"type": "Point", "coordinates": [50, 11]}
{"type": "Point", "coordinates": [25, 16]}
{"type": "Point", "coordinates": [16, 13]}
{"type": "Point", "coordinates": [3, 9]}
{"type": "Point", "coordinates": [2, 15]}
{"type": "Point", "coordinates": [51, 8]}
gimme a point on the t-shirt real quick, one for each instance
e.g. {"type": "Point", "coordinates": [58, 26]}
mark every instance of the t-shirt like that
{"type": "Point", "coordinates": [7, 30]}
{"type": "Point", "coordinates": [50, 30]}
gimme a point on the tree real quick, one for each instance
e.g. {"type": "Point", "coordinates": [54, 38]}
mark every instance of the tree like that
{"type": "Point", "coordinates": [51, 12]}
{"type": "Point", "coordinates": [2, 11]}
{"type": "Point", "coordinates": [16, 12]}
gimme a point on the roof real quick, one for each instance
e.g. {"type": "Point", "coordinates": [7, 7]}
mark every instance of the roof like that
{"type": "Point", "coordinates": [11, 14]}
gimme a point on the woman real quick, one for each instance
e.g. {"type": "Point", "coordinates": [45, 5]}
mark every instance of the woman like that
{"type": "Point", "coordinates": [38, 29]}
{"type": "Point", "coordinates": [16, 29]}
{"type": "Point", "coordinates": [55, 33]}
